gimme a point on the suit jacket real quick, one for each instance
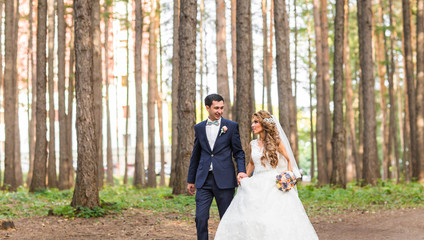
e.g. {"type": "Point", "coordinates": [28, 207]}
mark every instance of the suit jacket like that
{"type": "Point", "coordinates": [227, 146]}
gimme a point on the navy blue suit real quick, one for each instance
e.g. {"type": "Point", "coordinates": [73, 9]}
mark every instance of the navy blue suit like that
{"type": "Point", "coordinates": [222, 181]}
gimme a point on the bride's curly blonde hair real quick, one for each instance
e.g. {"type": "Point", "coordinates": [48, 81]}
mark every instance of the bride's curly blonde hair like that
{"type": "Point", "coordinates": [271, 139]}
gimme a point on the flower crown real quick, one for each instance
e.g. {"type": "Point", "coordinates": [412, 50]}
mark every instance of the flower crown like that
{"type": "Point", "coordinates": [269, 120]}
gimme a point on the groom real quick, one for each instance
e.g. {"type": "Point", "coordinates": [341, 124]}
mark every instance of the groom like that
{"type": "Point", "coordinates": [211, 169]}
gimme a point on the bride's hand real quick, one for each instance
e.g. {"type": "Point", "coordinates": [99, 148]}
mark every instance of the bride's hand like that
{"type": "Point", "coordinates": [240, 176]}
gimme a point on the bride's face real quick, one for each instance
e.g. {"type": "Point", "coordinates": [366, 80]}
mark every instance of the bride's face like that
{"type": "Point", "coordinates": [256, 126]}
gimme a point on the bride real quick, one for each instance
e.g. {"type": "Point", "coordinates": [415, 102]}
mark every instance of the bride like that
{"type": "Point", "coordinates": [260, 210]}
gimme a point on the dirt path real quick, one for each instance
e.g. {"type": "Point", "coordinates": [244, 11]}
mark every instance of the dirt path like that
{"type": "Point", "coordinates": [142, 224]}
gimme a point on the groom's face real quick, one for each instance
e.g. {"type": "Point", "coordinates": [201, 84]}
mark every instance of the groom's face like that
{"type": "Point", "coordinates": [215, 110]}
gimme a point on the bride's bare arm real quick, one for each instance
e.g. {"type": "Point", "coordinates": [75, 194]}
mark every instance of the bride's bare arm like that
{"type": "Point", "coordinates": [283, 151]}
{"type": "Point", "coordinates": [250, 167]}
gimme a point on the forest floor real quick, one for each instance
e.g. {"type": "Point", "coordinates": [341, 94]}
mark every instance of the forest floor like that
{"type": "Point", "coordinates": [146, 224]}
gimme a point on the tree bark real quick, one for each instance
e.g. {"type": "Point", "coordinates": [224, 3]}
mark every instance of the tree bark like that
{"type": "Point", "coordinates": [416, 121]}
{"type": "Point", "coordinates": [31, 127]}
{"type": "Point", "coordinates": [18, 167]}
{"type": "Point", "coordinates": [264, 50]}
{"type": "Point", "coordinates": [320, 120]}
{"type": "Point", "coordinates": [70, 163]}
{"type": "Point", "coordinates": [109, 160]}
{"type": "Point", "coordinates": [127, 107]}
{"type": "Point", "coordinates": [61, 48]}
{"type": "Point", "coordinates": [9, 101]}
{"type": "Point", "coordinates": [174, 94]}
{"type": "Point", "coordinates": [221, 51]}
{"type": "Point", "coordinates": [86, 193]}
{"type": "Point", "coordinates": [382, 61]}
{"type": "Point", "coordinates": [160, 99]}
{"type": "Point", "coordinates": [52, 177]}
{"type": "Point", "coordinates": [270, 58]}
{"type": "Point", "coordinates": [338, 141]}
{"type": "Point", "coordinates": [201, 31]}
{"type": "Point", "coordinates": [310, 72]}
{"type": "Point", "coordinates": [40, 159]}
{"type": "Point", "coordinates": [234, 53]}
{"type": "Point", "coordinates": [151, 96]}
{"type": "Point", "coordinates": [139, 174]}
{"type": "Point", "coordinates": [371, 170]}
{"type": "Point", "coordinates": [282, 41]}
{"type": "Point", "coordinates": [352, 155]}
{"type": "Point", "coordinates": [97, 88]}
{"type": "Point", "coordinates": [186, 92]}
{"type": "Point", "coordinates": [393, 142]}
{"type": "Point", "coordinates": [326, 86]}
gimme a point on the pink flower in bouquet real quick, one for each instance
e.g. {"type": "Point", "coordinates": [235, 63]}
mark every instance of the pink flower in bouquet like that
{"type": "Point", "coordinates": [285, 181]}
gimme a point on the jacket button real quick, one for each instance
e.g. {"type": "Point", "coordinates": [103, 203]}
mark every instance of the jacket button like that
{"type": "Point", "coordinates": [212, 155]}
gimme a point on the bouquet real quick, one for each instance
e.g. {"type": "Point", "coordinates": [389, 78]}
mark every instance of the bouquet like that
{"type": "Point", "coordinates": [285, 181]}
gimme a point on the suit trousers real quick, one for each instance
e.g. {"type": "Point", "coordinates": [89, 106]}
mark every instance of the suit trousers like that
{"type": "Point", "coordinates": [204, 197]}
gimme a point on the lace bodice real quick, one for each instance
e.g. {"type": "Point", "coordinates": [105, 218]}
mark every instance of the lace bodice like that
{"type": "Point", "coordinates": [257, 153]}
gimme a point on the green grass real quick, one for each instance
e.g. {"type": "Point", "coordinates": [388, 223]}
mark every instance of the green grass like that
{"type": "Point", "coordinates": [323, 200]}
{"type": "Point", "coordinates": [386, 195]}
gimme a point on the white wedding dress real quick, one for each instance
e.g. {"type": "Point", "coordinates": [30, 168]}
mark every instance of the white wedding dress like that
{"type": "Point", "coordinates": [260, 211]}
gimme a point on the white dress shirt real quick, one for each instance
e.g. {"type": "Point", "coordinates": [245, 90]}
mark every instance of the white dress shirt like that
{"type": "Point", "coordinates": [212, 134]}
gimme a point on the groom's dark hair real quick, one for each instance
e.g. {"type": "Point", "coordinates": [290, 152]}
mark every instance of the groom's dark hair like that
{"type": "Point", "coordinates": [213, 97]}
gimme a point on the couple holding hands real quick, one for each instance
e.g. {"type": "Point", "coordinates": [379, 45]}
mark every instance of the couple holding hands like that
{"type": "Point", "coordinates": [259, 210]}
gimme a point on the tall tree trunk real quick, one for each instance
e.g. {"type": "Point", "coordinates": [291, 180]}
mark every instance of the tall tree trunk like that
{"type": "Point", "coordinates": [264, 50]}
{"type": "Point", "coordinates": [40, 159]}
{"type": "Point", "coordinates": [311, 110]}
{"type": "Point", "coordinates": [86, 193]}
{"type": "Point", "coordinates": [9, 100]}
{"type": "Point", "coordinates": [186, 92]}
{"type": "Point", "coordinates": [326, 86]}
{"type": "Point", "coordinates": [63, 144]}
{"type": "Point", "coordinates": [270, 57]}
{"type": "Point", "coordinates": [70, 163]}
{"type": "Point", "coordinates": [52, 177]}
{"type": "Point", "coordinates": [139, 174]}
{"type": "Point", "coordinates": [31, 127]}
{"type": "Point", "coordinates": [282, 33]}
{"type": "Point", "coordinates": [382, 61]}
{"type": "Point", "coordinates": [352, 156]}
{"type": "Point", "coordinates": [160, 99]}
{"type": "Point", "coordinates": [371, 170]}
{"type": "Point", "coordinates": [151, 98]}
{"type": "Point", "coordinates": [417, 140]}
{"type": "Point", "coordinates": [127, 107]}
{"type": "Point", "coordinates": [393, 142]}
{"type": "Point", "coordinates": [293, 104]}
{"type": "Point", "coordinates": [174, 94]}
{"type": "Point", "coordinates": [338, 141]}
{"type": "Point", "coordinates": [29, 79]}
{"type": "Point", "coordinates": [97, 88]}
{"type": "Point", "coordinates": [244, 72]}
{"type": "Point", "coordinates": [234, 53]}
{"type": "Point", "coordinates": [201, 30]}
{"type": "Point", "coordinates": [359, 163]}
{"type": "Point", "coordinates": [221, 51]}
{"type": "Point", "coordinates": [109, 160]}
{"type": "Point", "coordinates": [407, 133]}
{"type": "Point", "coordinates": [18, 167]}
{"type": "Point", "coordinates": [320, 120]}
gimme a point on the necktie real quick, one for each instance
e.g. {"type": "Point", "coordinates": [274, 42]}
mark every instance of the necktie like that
{"type": "Point", "coordinates": [213, 122]}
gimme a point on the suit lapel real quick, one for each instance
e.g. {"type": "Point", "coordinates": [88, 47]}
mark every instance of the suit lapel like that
{"type": "Point", "coordinates": [205, 136]}
{"type": "Point", "coordinates": [218, 136]}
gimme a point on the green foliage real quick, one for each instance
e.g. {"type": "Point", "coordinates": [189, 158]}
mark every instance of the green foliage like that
{"type": "Point", "coordinates": [386, 195]}
{"type": "Point", "coordinates": [317, 200]}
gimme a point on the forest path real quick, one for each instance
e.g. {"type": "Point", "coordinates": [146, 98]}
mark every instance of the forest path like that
{"type": "Point", "coordinates": [143, 224]}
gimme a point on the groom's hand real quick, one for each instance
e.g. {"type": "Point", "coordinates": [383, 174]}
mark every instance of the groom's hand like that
{"type": "Point", "coordinates": [191, 189]}
{"type": "Point", "coordinates": [240, 176]}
